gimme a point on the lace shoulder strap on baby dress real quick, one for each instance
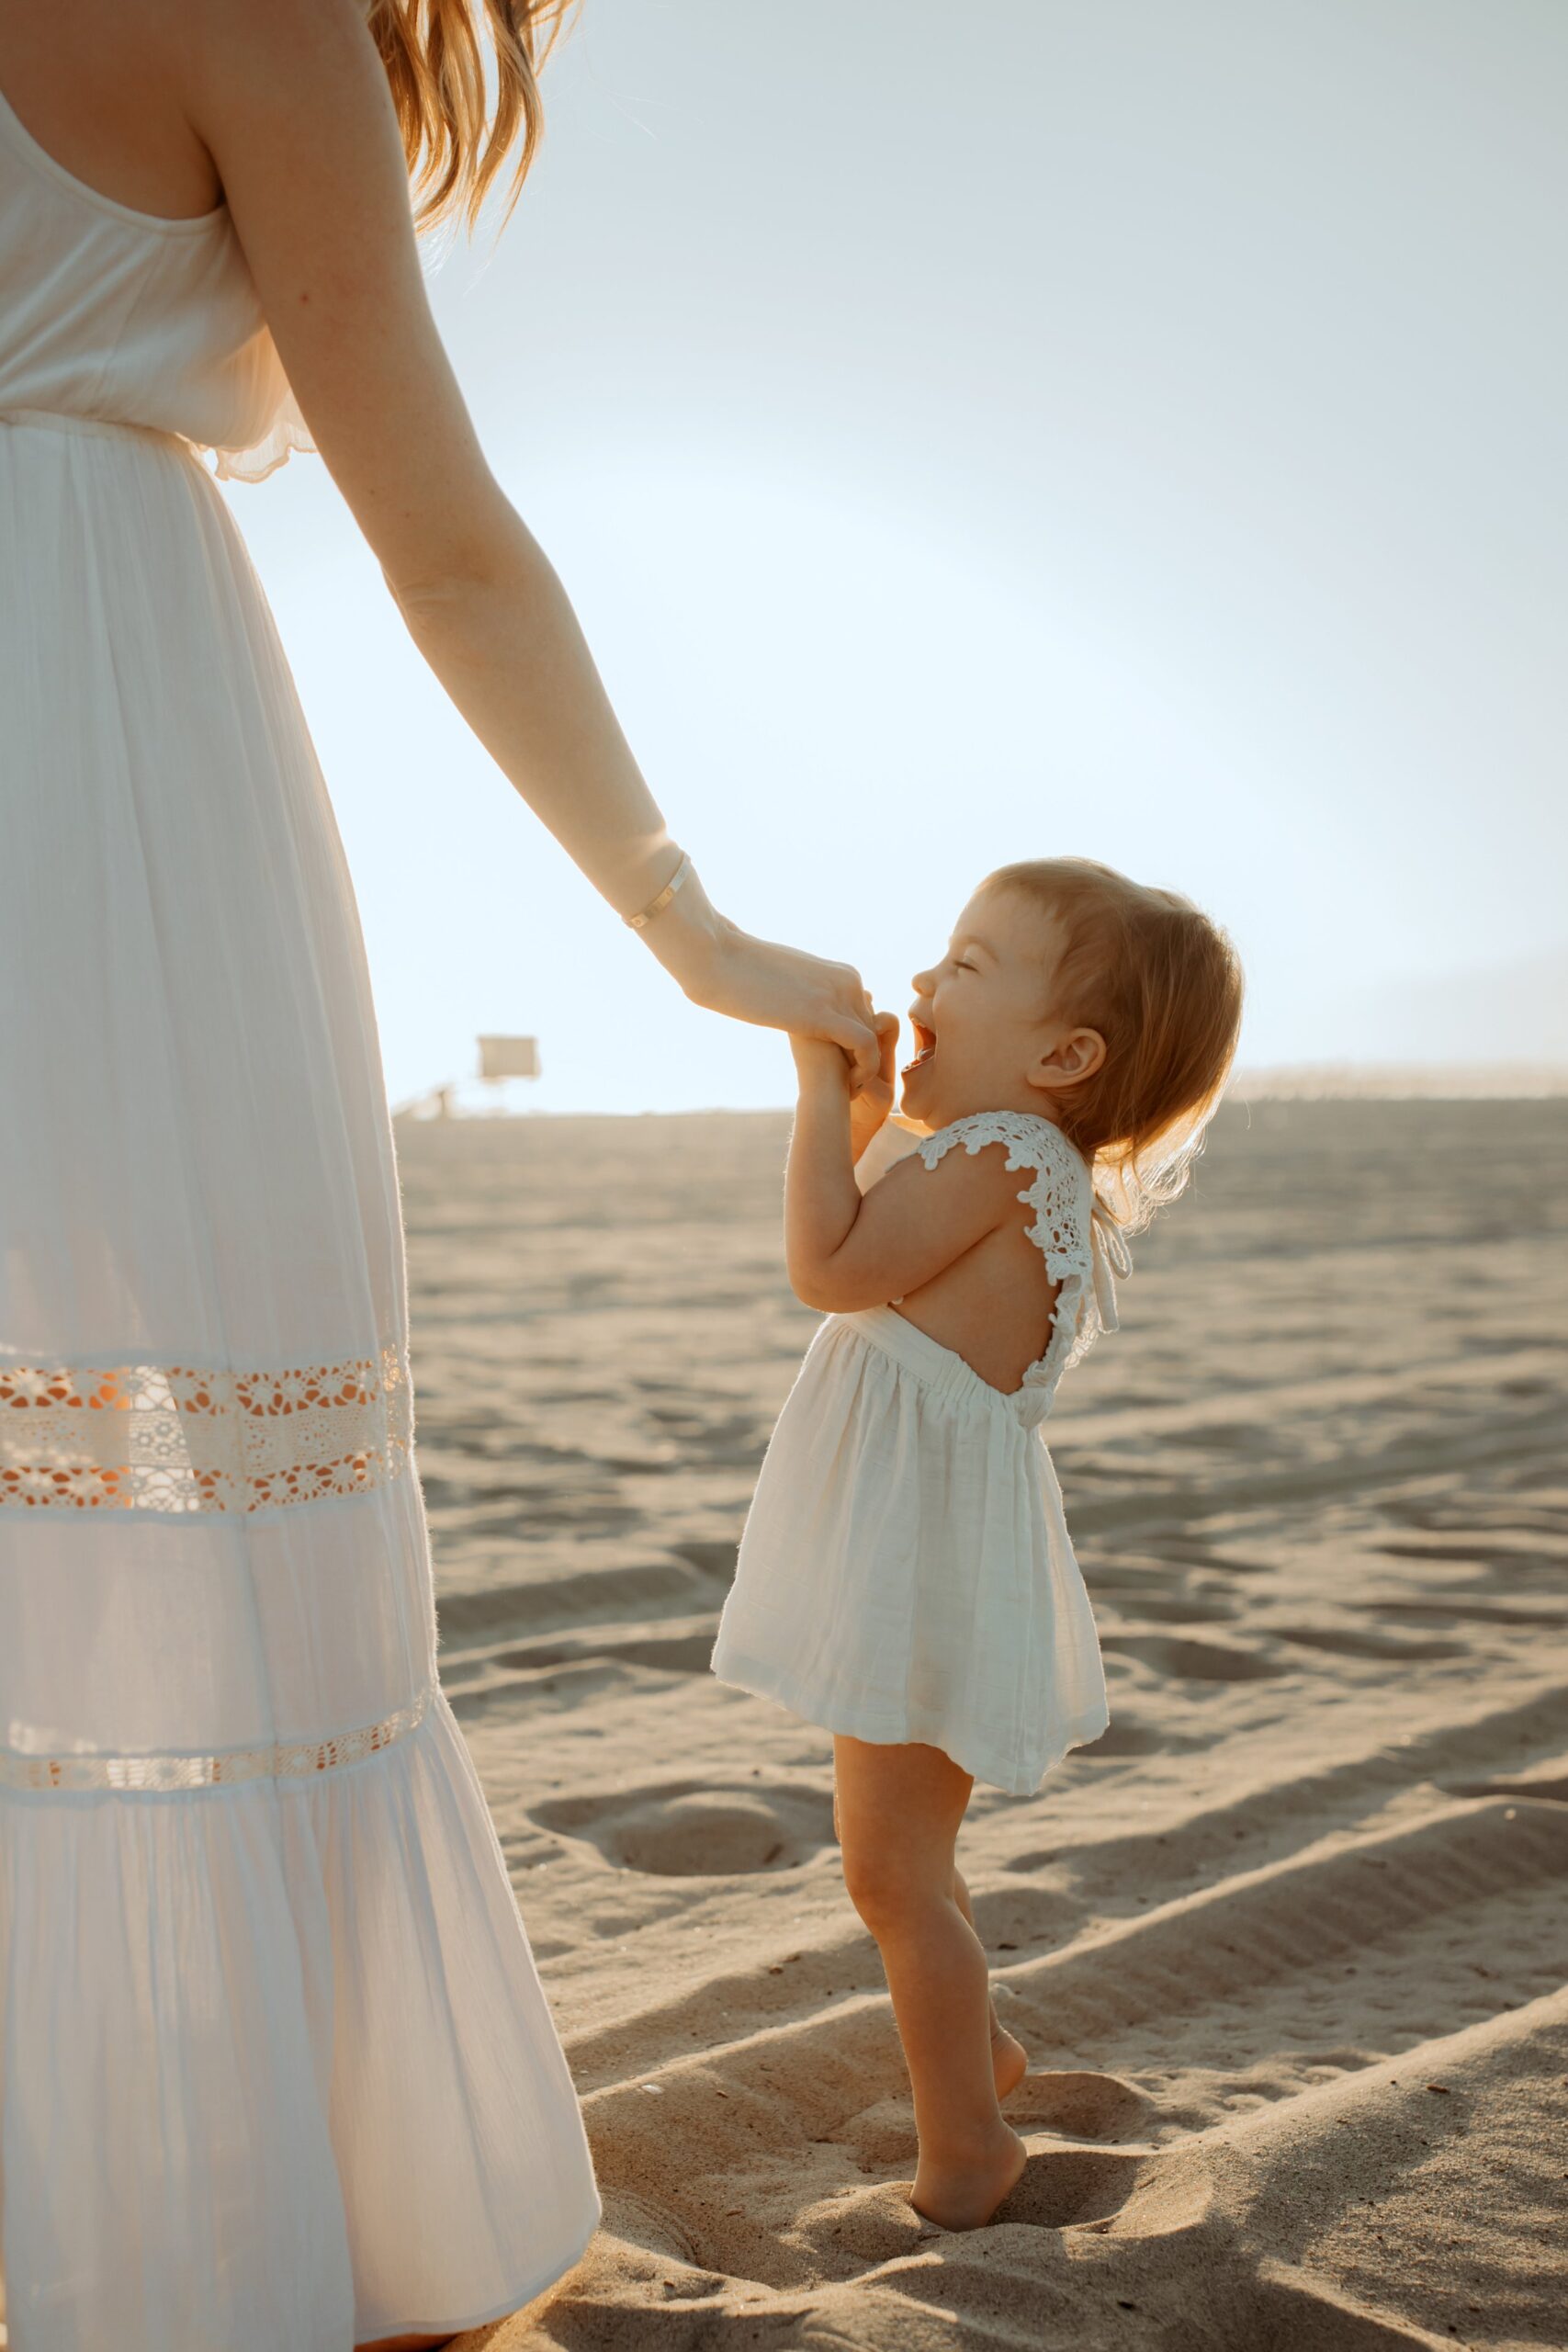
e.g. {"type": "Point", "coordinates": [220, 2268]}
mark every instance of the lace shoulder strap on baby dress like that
{"type": "Point", "coordinates": [1083, 1247]}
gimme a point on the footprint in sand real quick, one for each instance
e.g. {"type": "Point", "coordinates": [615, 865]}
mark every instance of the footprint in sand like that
{"type": "Point", "coordinates": [1064, 2187]}
{"type": "Point", "coordinates": [698, 1829]}
{"type": "Point", "coordinates": [1079, 2106]}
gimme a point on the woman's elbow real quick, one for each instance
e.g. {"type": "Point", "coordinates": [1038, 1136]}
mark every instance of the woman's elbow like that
{"type": "Point", "coordinates": [441, 581]}
{"type": "Point", "coordinates": [441, 562]}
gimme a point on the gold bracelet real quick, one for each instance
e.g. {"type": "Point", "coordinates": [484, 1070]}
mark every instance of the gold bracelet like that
{"type": "Point", "coordinates": [657, 905]}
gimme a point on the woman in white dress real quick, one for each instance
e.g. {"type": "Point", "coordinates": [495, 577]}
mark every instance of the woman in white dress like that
{"type": "Point", "coordinates": [275, 2066]}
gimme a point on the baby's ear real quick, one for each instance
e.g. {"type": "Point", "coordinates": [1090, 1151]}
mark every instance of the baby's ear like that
{"type": "Point", "coordinates": [1073, 1057]}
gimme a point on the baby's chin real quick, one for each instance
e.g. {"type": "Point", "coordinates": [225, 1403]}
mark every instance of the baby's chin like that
{"type": "Point", "coordinates": [931, 1099]}
{"type": "Point", "coordinates": [934, 1092]}
{"type": "Point", "coordinates": [917, 1098]}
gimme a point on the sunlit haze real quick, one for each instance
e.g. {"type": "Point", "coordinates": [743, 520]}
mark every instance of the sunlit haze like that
{"type": "Point", "coordinates": [1131, 431]}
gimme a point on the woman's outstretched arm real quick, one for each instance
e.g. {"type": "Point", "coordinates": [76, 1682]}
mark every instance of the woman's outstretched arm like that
{"type": "Point", "coordinates": [293, 104]}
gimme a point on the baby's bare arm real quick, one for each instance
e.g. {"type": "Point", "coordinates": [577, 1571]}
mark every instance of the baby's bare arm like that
{"type": "Point", "coordinates": [844, 1252]}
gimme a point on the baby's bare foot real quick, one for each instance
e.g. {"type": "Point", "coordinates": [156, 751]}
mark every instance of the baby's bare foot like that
{"type": "Point", "coordinates": [964, 2195]}
{"type": "Point", "coordinates": [1009, 2060]}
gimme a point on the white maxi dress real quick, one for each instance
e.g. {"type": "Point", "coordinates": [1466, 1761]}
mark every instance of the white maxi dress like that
{"type": "Point", "coordinates": [276, 2070]}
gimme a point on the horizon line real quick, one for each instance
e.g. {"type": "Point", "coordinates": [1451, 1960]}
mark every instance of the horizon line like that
{"type": "Point", "coordinates": [1281, 1082]}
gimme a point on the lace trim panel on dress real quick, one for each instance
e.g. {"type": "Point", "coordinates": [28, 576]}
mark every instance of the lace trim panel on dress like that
{"type": "Point", "coordinates": [282, 1760]}
{"type": "Point", "coordinates": [165, 1438]}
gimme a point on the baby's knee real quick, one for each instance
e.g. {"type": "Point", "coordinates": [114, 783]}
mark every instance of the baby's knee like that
{"type": "Point", "coordinates": [884, 1889]}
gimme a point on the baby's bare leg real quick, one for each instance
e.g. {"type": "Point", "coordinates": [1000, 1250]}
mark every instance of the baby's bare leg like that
{"type": "Point", "coordinates": [899, 1810]}
{"type": "Point", "coordinates": [1010, 2058]}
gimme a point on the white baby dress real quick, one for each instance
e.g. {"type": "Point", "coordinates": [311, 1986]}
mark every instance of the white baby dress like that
{"type": "Point", "coordinates": [276, 2074]}
{"type": "Point", "coordinates": [906, 1573]}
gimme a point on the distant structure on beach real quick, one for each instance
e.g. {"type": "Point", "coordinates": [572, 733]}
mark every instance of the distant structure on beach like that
{"type": "Point", "coordinates": [509, 1057]}
{"type": "Point", "coordinates": [500, 1058]}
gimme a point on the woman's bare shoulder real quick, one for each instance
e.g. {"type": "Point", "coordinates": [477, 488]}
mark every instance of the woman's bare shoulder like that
{"type": "Point", "coordinates": [294, 105]}
{"type": "Point", "coordinates": [104, 86]}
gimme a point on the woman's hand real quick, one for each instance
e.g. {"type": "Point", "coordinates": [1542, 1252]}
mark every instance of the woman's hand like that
{"type": "Point", "coordinates": [725, 970]}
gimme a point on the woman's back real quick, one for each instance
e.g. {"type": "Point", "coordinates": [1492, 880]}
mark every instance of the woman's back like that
{"type": "Point", "coordinates": [115, 315]}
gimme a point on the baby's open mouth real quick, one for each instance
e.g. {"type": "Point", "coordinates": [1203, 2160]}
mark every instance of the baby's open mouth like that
{"type": "Point", "coordinates": [925, 1047]}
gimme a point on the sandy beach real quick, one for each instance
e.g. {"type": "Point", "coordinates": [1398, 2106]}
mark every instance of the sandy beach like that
{"type": "Point", "coordinates": [1285, 1946]}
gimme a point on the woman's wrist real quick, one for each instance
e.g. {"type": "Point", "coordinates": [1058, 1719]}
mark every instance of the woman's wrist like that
{"type": "Point", "coordinates": [662, 897]}
{"type": "Point", "coordinates": [644, 865]}
{"type": "Point", "coordinates": [688, 935]}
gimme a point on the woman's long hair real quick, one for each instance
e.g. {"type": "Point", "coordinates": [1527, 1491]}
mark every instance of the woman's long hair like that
{"type": "Point", "coordinates": [459, 130]}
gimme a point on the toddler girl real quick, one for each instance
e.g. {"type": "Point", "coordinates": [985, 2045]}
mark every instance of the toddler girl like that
{"type": "Point", "coordinates": [906, 1578]}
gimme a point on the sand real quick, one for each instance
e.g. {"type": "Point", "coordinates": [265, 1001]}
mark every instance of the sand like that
{"type": "Point", "coordinates": [1285, 1946]}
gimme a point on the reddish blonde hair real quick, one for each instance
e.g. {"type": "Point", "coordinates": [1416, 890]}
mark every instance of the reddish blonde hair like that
{"type": "Point", "coordinates": [456, 133]}
{"type": "Point", "coordinates": [1163, 986]}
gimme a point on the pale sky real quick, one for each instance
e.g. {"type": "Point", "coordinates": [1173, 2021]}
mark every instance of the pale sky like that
{"type": "Point", "coordinates": [1130, 430]}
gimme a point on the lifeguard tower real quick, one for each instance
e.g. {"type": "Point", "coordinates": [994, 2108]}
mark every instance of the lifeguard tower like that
{"type": "Point", "coordinates": [502, 1059]}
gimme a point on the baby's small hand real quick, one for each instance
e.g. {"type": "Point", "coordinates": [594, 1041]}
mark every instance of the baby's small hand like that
{"type": "Point", "coordinates": [827, 1066]}
{"type": "Point", "coordinates": [870, 1107]}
